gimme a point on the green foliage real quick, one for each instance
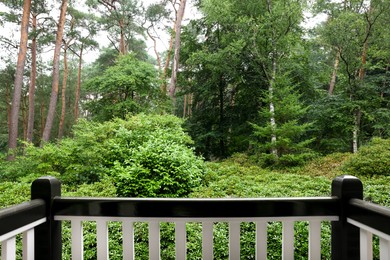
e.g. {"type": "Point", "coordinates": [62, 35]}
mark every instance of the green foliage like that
{"type": "Point", "coordinates": [372, 159]}
{"type": "Point", "coordinates": [146, 155]}
{"type": "Point", "coordinates": [130, 86]}
{"type": "Point", "coordinates": [290, 130]}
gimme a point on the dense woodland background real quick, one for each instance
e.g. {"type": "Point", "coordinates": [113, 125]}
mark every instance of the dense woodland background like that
{"type": "Point", "coordinates": [250, 77]}
{"type": "Point", "coordinates": [246, 99]}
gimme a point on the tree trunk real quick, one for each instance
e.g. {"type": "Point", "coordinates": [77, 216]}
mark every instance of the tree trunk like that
{"type": "Point", "coordinates": [175, 66]}
{"type": "Point", "coordinates": [364, 60]}
{"type": "Point", "coordinates": [122, 42]}
{"type": "Point", "coordinates": [56, 73]}
{"type": "Point", "coordinates": [63, 96]}
{"type": "Point", "coordinates": [155, 49]}
{"type": "Point", "coordinates": [13, 133]}
{"type": "Point", "coordinates": [274, 149]}
{"type": "Point", "coordinates": [356, 129]}
{"type": "Point", "coordinates": [167, 61]}
{"type": "Point", "coordinates": [334, 73]}
{"type": "Point", "coordinates": [78, 88]}
{"type": "Point", "coordinates": [31, 91]}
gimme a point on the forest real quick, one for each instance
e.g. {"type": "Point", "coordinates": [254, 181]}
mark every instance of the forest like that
{"type": "Point", "coordinates": [195, 98]}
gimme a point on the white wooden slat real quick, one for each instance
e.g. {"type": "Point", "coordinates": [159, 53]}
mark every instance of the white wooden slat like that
{"type": "Point", "coordinates": [128, 240]}
{"type": "Point", "coordinates": [384, 245]}
{"type": "Point", "coordinates": [154, 240]}
{"type": "Point", "coordinates": [234, 240]}
{"type": "Point", "coordinates": [365, 245]}
{"type": "Point", "coordinates": [261, 240]}
{"type": "Point", "coordinates": [102, 239]}
{"type": "Point", "coordinates": [315, 240]}
{"type": "Point", "coordinates": [77, 240]}
{"type": "Point", "coordinates": [181, 239]}
{"type": "Point", "coordinates": [288, 240]}
{"type": "Point", "coordinates": [8, 248]}
{"type": "Point", "coordinates": [28, 245]}
{"type": "Point", "coordinates": [207, 240]}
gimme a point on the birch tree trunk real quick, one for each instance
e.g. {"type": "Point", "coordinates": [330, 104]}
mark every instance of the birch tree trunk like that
{"type": "Point", "coordinates": [56, 74]}
{"type": "Point", "coordinates": [271, 86]}
{"type": "Point", "coordinates": [31, 91]}
{"type": "Point", "coordinates": [18, 83]}
{"type": "Point", "coordinates": [175, 66]}
{"type": "Point", "coordinates": [332, 83]}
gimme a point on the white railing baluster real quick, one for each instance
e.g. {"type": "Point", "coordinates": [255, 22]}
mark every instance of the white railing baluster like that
{"type": "Point", "coordinates": [234, 240]}
{"type": "Point", "coordinates": [261, 240]}
{"type": "Point", "coordinates": [128, 240]}
{"type": "Point", "coordinates": [207, 241]}
{"type": "Point", "coordinates": [314, 240]}
{"type": "Point", "coordinates": [365, 245]}
{"type": "Point", "coordinates": [102, 239]}
{"type": "Point", "coordinates": [384, 249]}
{"type": "Point", "coordinates": [28, 245]}
{"type": "Point", "coordinates": [8, 248]}
{"type": "Point", "coordinates": [181, 239]}
{"type": "Point", "coordinates": [288, 240]}
{"type": "Point", "coordinates": [154, 240]}
{"type": "Point", "coordinates": [77, 240]}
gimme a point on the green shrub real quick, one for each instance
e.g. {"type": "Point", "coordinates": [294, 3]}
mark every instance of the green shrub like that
{"type": "Point", "coordinates": [372, 159]}
{"type": "Point", "coordinates": [151, 148]}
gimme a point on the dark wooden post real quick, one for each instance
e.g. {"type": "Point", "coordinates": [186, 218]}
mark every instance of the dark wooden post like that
{"type": "Point", "coordinates": [48, 240]}
{"type": "Point", "coordinates": [346, 237]}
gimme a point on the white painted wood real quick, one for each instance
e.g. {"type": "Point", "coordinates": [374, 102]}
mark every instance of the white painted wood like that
{"type": "Point", "coordinates": [8, 249]}
{"type": "Point", "coordinates": [234, 240]}
{"type": "Point", "coordinates": [207, 240]}
{"type": "Point", "coordinates": [181, 240]}
{"type": "Point", "coordinates": [365, 245]}
{"type": "Point", "coordinates": [28, 245]}
{"type": "Point", "coordinates": [154, 240]}
{"type": "Point", "coordinates": [77, 240]}
{"type": "Point", "coordinates": [384, 249]}
{"type": "Point", "coordinates": [315, 240]}
{"type": "Point", "coordinates": [102, 239]}
{"type": "Point", "coordinates": [370, 229]}
{"type": "Point", "coordinates": [128, 240]}
{"type": "Point", "coordinates": [288, 240]}
{"type": "Point", "coordinates": [261, 240]}
{"type": "Point", "coordinates": [22, 229]}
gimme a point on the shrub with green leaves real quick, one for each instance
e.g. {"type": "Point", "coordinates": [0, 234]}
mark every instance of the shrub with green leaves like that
{"type": "Point", "coordinates": [147, 155]}
{"type": "Point", "coordinates": [372, 159]}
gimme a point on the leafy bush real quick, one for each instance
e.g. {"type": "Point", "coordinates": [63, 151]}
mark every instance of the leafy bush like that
{"type": "Point", "coordinates": [372, 159]}
{"type": "Point", "coordinates": [147, 155]}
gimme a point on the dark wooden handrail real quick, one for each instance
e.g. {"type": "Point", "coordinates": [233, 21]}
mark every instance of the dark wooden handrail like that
{"type": "Point", "coordinates": [196, 208]}
{"type": "Point", "coordinates": [21, 215]}
{"type": "Point", "coordinates": [370, 214]}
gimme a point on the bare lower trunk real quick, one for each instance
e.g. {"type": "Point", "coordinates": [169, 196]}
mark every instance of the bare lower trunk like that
{"type": "Point", "coordinates": [167, 61]}
{"type": "Point", "coordinates": [63, 97]}
{"type": "Point", "coordinates": [274, 149]}
{"type": "Point", "coordinates": [356, 129]}
{"type": "Point", "coordinates": [56, 72]}
{"type": "Point", "coordinates": [155, 49]}
{"type": "Point", "coordinates": [77, 94]}
{"type": "Point", "coordinates": [122, 42]}
{"type": "Point", "coordinates": [176, 57]}
{"type": "Point", "coordinates": [332, 83]}
{"type": "Point", "coordinates": [14, 119]}
{"type": "Point", "coordinates": [31, 91]}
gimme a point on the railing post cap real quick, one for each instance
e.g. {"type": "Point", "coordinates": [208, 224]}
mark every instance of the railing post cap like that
{"type": "Point", "coordinates": [45, 187]}
{"type": "Point", "coordinates": [347, 186]}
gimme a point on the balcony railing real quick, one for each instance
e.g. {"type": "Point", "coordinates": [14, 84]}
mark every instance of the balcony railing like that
{"type": "Point", "coordinates": [354, 222]}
